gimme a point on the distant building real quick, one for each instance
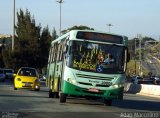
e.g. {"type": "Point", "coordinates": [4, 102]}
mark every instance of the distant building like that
{"type": "Point", "coordinates": [5, 36]}
{"type": "Point", "coordinates": [6, 39]}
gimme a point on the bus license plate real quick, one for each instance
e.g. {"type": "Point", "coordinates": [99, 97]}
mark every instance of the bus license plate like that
{"type": "Point", "coordinates": [93, 90]}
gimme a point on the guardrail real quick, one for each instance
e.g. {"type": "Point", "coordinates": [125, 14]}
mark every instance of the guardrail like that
{"type": "Point", "coordinates": [142, 89]}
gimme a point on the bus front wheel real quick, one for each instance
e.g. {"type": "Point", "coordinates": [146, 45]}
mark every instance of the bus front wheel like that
{"type": "Point", "coordinates": [56, 94]}
{"type": "Point", "coordinates": [63, 97]}
{"type": "Point", "coordinates": [51, 94]}
{"type": "Point", "coordinates": [108, 102]}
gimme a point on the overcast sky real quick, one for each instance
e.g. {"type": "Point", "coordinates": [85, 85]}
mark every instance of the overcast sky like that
{"type": "Point", "coordinates": [128, 17]}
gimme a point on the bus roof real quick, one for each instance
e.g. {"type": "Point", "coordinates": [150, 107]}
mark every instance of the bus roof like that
{"type": "Point", "coordinates": [72, 35]}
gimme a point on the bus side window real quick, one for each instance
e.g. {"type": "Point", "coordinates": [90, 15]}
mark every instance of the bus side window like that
{"type": "Point", "coordinates": [65, 46]}
{"type": "Point", "coordinates": [63, 49]}
{"type": "Point", "coordinates": [69, 47]}
{"type": "Point", "coordinates": [53, 53]}
{"type": "Point", "coordinates": [49, 59]}
{"type": "Point", "coordinates": [60, 51]}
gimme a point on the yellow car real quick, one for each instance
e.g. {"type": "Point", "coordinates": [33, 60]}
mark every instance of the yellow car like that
{"type": "Point", "coordinates": [28, 78]}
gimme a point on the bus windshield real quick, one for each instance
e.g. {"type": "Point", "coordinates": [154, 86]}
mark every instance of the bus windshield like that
{"type": "Point", "coordinates": [96, 57]}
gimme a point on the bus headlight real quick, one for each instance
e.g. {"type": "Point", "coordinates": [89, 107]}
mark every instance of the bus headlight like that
{"type": "Point", "coordinates": [72, 81]}
{"type": "Point", "coordinates": [118, 85]}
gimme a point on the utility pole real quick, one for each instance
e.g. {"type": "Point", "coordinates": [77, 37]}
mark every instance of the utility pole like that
{"type": "Point", "coordinates": [109, 25]}
{"type": "Point", "coordinates": [13, 32]}
{"type": "Point", "coordinates": [135, 41]}
{"type": "Point", "coordinates": [140, 54]}
{"type": "Point", "coordinates": [60, 2]}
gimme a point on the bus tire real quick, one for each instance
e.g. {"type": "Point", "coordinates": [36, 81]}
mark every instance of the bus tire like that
{"type": "Point", "coordinates": [51, 94]}
{"type": "Point", "coordinates": [63, 98]}
{"type": "Point", "coordinates": [88, 98]}
{"type": "Point", "coordinates": [57, 94]}
{"type": "Point", "coordinates": [108, 102]}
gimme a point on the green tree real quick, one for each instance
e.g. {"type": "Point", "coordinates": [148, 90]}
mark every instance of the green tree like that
{"type": "Point", "coordinates": [131, 48]}
{"type": "Point", "coordinates": [45, 42]}
{"type": "Point", "coordinates": [1, 58]}
{"type": "Point", "coordinates": [7, 55]}
{"type": "Point", "coordinates": [144, 39]}
{"type": "Point", "coordinates": [81, 27]}
{"type": "Point", "coordinates": [26, 52]}
{"type": "Point", "coordinates": [27, 40]}
{"type": "Point", "coordinates": [54, 34]}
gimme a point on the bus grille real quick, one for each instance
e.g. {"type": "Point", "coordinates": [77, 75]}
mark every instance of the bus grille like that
{"type": "Point", "coordinates": [97, 85]}
{"type": "Point", "coordinates": [94, 77]}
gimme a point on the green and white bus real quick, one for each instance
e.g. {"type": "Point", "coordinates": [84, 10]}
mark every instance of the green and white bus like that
{"type": "Point", "coordinates": [87, 63]}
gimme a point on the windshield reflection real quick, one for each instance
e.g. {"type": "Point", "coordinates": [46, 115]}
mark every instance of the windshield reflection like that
{"type": "Point", "coordinates": [98, 58]}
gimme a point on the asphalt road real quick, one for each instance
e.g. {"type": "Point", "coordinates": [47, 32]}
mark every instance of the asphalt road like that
{"type": "Point", "coordinates": [33, 104]}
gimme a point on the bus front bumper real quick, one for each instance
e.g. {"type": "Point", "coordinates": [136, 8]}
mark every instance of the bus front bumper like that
{"type": "Point", "coordinates": [114, 93]}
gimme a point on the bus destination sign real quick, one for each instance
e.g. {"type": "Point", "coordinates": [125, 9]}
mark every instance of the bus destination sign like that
{"type": "Point", "coordinates": [99, 37]}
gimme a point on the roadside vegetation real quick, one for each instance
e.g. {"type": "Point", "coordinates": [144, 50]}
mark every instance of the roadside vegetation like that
{"type": "Point", "coordinates": [155, 50]}
{"type": "Point", "coordinates": [32, 43]}
{"type": "Point", "coordinates": [133, 69]}
{"type": "Point", "coordinates": [152, 48]}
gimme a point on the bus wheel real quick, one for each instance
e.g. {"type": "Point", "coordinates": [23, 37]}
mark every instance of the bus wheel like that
{"type": "Point", "coordinates": [88, 98]}
{"type": "Point", "coordinates": [63, 98]}
{"type": "Point", "coordinates": [107, 102]}
{"type": "Point", "coordinates": [51, 94]}
{"type": "Point", "coordinates": [57, 94]}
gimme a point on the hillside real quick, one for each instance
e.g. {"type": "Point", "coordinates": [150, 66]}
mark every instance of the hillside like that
{"type": "Point", "coordinates": [131, 69]}
{"type": "Point", "coordinates": [155, 50]}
